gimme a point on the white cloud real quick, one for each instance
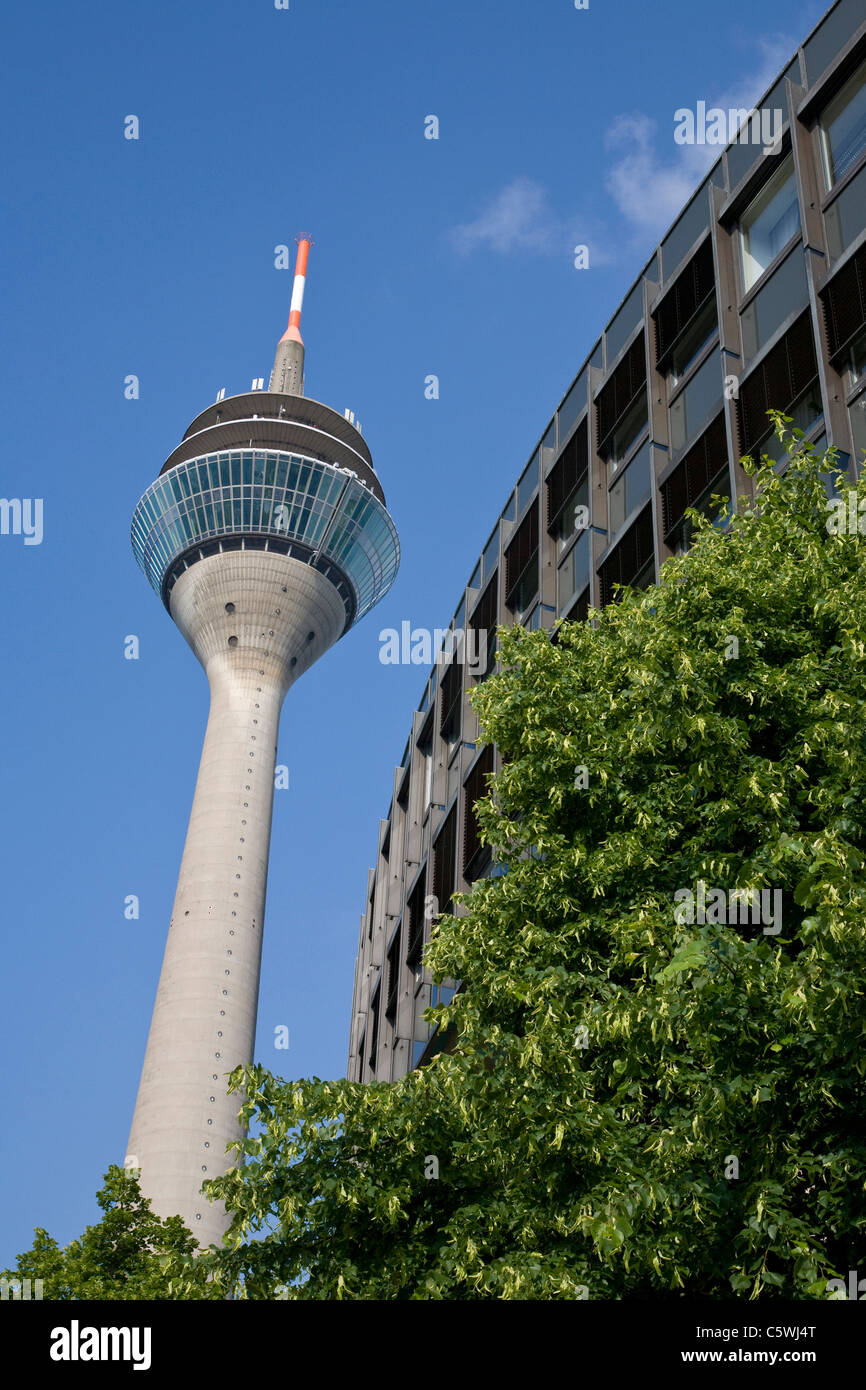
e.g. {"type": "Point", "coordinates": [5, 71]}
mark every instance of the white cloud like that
{"type": "Point", "coordinates": [648, 192]}
{"type": "Point", "coordinates": [649, 187]}
{"type": "Point", "coordinates": [650, 178]}
{"type": "Point", "coordinates": [520, 218]}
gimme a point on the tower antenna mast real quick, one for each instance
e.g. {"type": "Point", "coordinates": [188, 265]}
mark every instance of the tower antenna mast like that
{"type": "Point", "coordinates": [287, 377]}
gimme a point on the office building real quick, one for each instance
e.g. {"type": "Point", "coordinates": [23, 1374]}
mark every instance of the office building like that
{"type": "Point", "coordinates": [755, 299]}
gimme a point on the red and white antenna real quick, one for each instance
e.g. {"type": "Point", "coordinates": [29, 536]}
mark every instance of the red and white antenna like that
{"type": "Point", "coordinates": [293, 332]}
{"type": "Point", "coordinates": [287, 377]}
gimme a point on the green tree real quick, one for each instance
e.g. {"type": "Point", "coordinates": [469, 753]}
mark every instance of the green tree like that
{"type": "Point", "coordinates": [130, 1254]}
{"type": "Point", "coordinates": [637, 1106]}
{"type": "Point", "coordinates": [645, 1101]}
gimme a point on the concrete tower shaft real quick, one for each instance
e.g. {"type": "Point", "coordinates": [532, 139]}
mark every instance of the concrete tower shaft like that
{"type": "Point", "coordinates": [255, 621]}
{"type": "Point", "coordinates": [267, 537]}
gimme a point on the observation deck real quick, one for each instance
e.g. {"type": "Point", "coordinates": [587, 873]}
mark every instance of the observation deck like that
{"type": "Point", "coordinates": [263, 471]}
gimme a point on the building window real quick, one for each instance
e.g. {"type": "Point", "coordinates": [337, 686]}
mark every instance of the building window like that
{"type": "Point", "coordinates": [416, 918]}
{"type": "Point", "coordinates": [785, 292]}
{"type": "Point", "coordinates": [631, 561]}
{"type": "Point", "coordinates": [521, 563]}
{"type": "Point", "coordinates": [574, 514]}
{"type": "Point", "coordinates": [690, 226]}
{"type": "Point", "coordinates": [857, 413]}
{"type": "Point", "coordinates": [844, 302]}
{"type": "Point", "coordinates": [632, 487]}
{"type": "Point", "coordinates": [696, 400]}
{"type": "Point", "coordinates": [843, 128]}
{"type": "Point", "coordinates": [779, 381]}
{"type": "Point", "coordinates": [689, 303]}
{"type": "Point", "coordinates": [855, 359]}
{"type": "Point", "coordinates": [571, 407]}
{"type": "Point", "coordinates": [392, 978]}
{"type": "Point", "coordinates": [476, 856]}
{"type": "Point", "coordinates": [483, 624]}
{"type": "Point", "coordinates": [769, 223]}
{"type": "Point", "coordinates": [537, 617]}
{"type": "Point", "coordinates": [548, 447]}
{"type": "Point", "coordinates": [617, 407]}
{"type": "Point", "coordinates": [425, 748]}
{"type": "Point", "coordinates": [805, 413]}
{"type": "Point", "coordinates": [528, 483]}
{"type": "Point", "coordinates": [490, 557]}
{"type": "Point", "coordinates": [846, 215]}
{"type": "Point", "coordinates": [403, 793]}
{"type": "Point", "coordinates": [692, 342]}
{"type": "Point", "coordinates": [625, 321]}
{"type": "Point", "coordinates": [374, 1031]}
{"type": "Point", "coordinates": [573, 574]}
{"type": "Point", "coordinates": [702, 472]}
{"type": "Point", "coordinates": [451, 686]}
{"type": "Point", "coordinates": [568, 486]}
{"type": "Point", "coordinates": [628, 432]}
{"type": "Point", "coordinates": [445, 862]}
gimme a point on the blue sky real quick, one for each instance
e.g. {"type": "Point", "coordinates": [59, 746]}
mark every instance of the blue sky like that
{"type": "Point", "coordinates": [155, 257]}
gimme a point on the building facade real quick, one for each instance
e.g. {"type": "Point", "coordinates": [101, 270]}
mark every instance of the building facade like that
{"type": "Point", "coordinates": [755, 299]}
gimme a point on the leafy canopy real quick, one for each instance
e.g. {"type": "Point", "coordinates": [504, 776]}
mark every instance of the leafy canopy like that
{"type": "Point", "coordinates": [637, 1107]}
{"type": "Point", "coordinates": [129, 1254]}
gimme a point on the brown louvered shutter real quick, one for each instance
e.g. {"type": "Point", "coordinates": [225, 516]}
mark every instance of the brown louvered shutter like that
{"type": "Point", "coordinates": [392, 978]}
{"type": "Point", "coordinates": [706, 459]}
{"type": "Point", "coordinates": [626, 561]}
{"type": "Point", "coordinates": [484, 612]}
{"type": "Point", "coordinates": [415, 915]}
{"type": "Point", "coordinates": [452, 692]}
{"type": "Point", "coordinates": [522, 550]}
{"type": "Point", "coordinates": [374, 1029]}
{"type": "Point", "coordinates": [844, 302]}
{"type": "Point", "coordinates": [445, 861]}
{"type": "Point", "coordinates": [483, 619]}
{"type": "Point", "coordinates": [566, 473]}
{"type": "Point", "coordinates": [686, 295]}
{"type": "Point", "coordinates": [620, 390]}
{"type": "Point", "coordinates": [475, 855]}
{"type": "Point", "coordinates": [776, 382]}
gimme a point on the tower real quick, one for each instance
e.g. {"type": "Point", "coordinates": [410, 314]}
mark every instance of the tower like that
{"type": "Point", "coordinates": [267, 537]}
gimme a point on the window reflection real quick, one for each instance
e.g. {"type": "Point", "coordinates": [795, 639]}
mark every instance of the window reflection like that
{"type": "Point", "coordinates": [843, 128]}
{"type": "Point", "coordinates": [769, 223]}
{"type": "Point", "coordinates": [631, 489]}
